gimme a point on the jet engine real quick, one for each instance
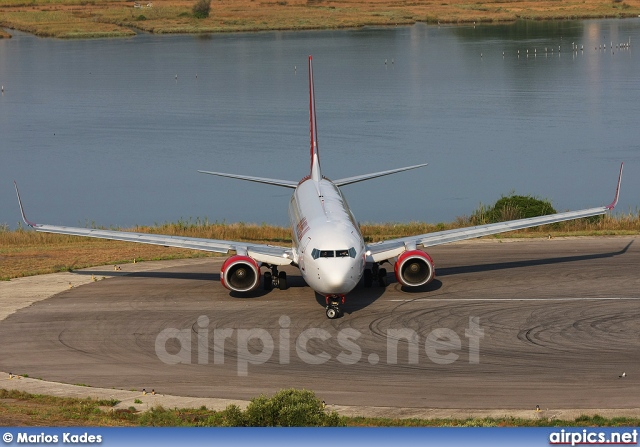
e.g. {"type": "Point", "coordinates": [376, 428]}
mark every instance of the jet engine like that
{"type": "Point", "coordinates": [240, 274]}
{"type": "Point", "coordinates": [414, 268]}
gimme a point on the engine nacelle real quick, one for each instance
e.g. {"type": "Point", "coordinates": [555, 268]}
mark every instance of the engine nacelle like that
{"type": "Point", "coordinates": [414, 268]}
{"type": "Point", "coordinates": [240, 274]}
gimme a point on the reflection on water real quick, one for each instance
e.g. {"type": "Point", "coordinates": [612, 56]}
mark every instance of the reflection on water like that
{"type": "Point", "coordinates": [113, 131]}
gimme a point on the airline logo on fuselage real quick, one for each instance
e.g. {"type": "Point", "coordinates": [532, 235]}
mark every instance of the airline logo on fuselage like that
{"type": "Point", "coordinates": [301, 228]}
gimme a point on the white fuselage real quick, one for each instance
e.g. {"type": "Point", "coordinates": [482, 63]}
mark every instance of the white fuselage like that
{"type": "Point", "coordinates": [328, 245]}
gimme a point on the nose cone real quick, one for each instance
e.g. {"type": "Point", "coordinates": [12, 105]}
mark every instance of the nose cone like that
{"type": "Point", "coordinates": [338, 277]}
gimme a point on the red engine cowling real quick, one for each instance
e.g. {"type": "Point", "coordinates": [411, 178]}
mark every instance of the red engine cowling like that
{"type": "Point", "coordinates": [414, 268]}
{"type": "Point", "coordinates": [240, 274]}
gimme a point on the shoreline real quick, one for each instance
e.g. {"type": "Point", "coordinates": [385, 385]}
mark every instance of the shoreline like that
{"type": "Point", "coordinates": [116, 19]}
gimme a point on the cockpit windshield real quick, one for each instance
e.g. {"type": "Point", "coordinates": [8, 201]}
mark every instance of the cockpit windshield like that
{"type": "Point", "coordinates": [343, 253]}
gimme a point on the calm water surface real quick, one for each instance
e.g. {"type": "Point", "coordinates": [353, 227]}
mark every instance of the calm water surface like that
{"type": "Point", "coordinates": [102, 131]}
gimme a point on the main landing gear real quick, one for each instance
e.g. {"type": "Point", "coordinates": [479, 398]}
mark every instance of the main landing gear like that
{"type": "Point", "coordinates": [375, 273]}
{"type": "Point", "coordinates": [274, 279]}
{"type": "Point", "coordinates": [333, 306]}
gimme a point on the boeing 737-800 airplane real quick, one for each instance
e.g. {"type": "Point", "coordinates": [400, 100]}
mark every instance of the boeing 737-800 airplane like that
{"type": "Point", "coordinates": [328, 247]}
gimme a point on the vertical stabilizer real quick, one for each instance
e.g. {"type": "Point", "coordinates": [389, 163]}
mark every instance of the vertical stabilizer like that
{"type": "Point", "coordinates": [316, 174]}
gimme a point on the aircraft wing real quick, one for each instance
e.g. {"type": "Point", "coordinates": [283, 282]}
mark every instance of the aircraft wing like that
{"type": "Point", "coordinates": [260, 252]}
{"type": "Point", "coordinates": [381, 251]}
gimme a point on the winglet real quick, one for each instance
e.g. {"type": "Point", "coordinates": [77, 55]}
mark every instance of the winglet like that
{"type": "Point", "coordinates": [31, 224]}
{"type": "Point", "coordinates": [316, 174]}
{"type": "Point", "coordinates": [615, 200]}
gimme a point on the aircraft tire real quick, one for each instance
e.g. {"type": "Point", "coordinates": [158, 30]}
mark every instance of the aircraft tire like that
{"type": "Point", "coordinates": [282, 280]}
{"type": "Point", "coordinates": [268, 281]}
{"type": "Point", "coordinates": [368, 278]}
{"type": "Point", "coordinates": [382, 277]}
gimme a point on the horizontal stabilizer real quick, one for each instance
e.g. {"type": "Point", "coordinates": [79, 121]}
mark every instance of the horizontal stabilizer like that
{"type": "Point", "coordinates": [360, 178]}
{"type": "Point", "coordinates": [268, 181]}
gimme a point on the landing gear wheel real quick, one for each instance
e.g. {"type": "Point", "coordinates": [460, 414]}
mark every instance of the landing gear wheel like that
{"type": "Point", "coordinates": [382, 277]}
{"type": "Point", "coordinates": [282, 280]}
{"type": "Point", "coordinates": [333, 306]}
{"type": "Point", "coordinates": [268, 281]}
{"type": "Point", "coordinates": [368, 278]}
{"type": "Point", "coordinates": [332, 313]}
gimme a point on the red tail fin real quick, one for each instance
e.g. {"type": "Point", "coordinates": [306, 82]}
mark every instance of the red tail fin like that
{"type": "Point", "coordinates": [316, 174]}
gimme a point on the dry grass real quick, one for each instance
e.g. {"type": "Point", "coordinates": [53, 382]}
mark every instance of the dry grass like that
{"type": "Point", "coordinates": [64, 23]}
{"type": "Point", "coordinates": [22, 409]}
{"type": "Point", "coordinates": [619, 224]}
{"type": "Point", "coordinates": [109, 18]}
{"type": "Point", "coordinates": [26, 253]}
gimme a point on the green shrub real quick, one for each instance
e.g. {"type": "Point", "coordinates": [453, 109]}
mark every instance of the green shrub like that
{"type": "Point", "coordinates": [510, 208]}
{"type": "Point", "coordinates": [201, 9]}
{"type": "Point", "coordinates": [160, 417]}
{"type": "Point", "coordinates": [234, 417]}
{"type": "Point", "coordinates": [287, 408]}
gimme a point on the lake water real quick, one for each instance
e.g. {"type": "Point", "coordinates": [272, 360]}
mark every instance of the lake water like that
{"type": "Point", "coordinates": [102, 131]}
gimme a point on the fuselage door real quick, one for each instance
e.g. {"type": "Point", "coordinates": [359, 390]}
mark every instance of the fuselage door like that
{"type": "Point", "coordinates": [303, 249]}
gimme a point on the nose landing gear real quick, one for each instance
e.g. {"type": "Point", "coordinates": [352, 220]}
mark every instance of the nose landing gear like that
{"type": "Point", "coordinates": [333, 306]}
